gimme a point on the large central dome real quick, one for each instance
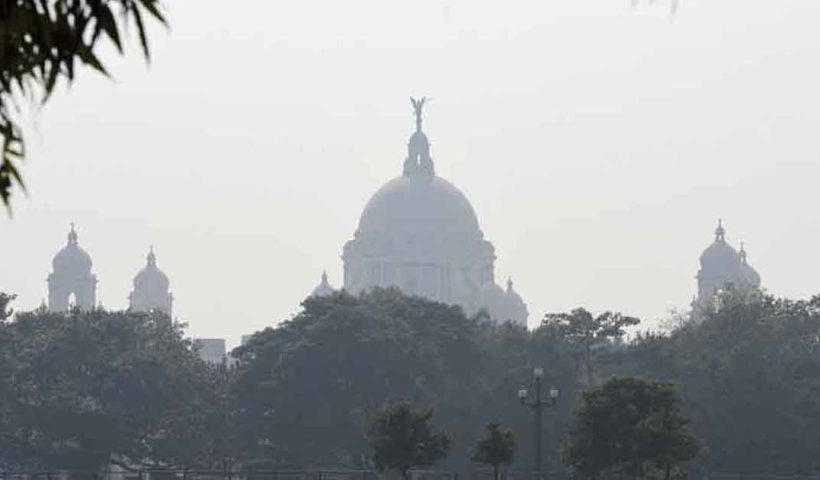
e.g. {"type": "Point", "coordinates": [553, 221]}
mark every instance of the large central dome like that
{"type": "Point", "coordinates": [418, 232]}
{"type": "Point", "coordinates": [420, 204]}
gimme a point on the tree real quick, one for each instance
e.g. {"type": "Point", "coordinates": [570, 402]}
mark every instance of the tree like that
{"type": "Point", "coordinates": [93, 388]}
{"type": "Point", "coordinates": [427, 353]}
{"type": "Point", "coordinates": [402, 439]}
{"type": "Point", "coordinates": [630, 426]}
{"type": "Point", "coordinates": [750, 372]}
{"type": "Point", "coordinates": [362, 351]}
{"type": "Point", "coordinates": [5, 311]}
{"type": "Point", "coordinates": [41, 41]}
{"type": "Point", "coordinates": [495, 448]}
{"type": "Point", "coordinates": [587, 334]}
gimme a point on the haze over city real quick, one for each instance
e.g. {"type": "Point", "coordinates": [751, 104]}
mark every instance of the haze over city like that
{"type": "Point", "coordinates": [598, 143]}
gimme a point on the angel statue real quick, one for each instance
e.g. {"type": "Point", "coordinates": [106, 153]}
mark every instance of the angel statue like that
{"type": "Point", "coordinates": [418, 106]}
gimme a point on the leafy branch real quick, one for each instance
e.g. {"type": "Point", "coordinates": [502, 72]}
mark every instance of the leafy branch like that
{"type": "Point", "coordinates": [42, 41]}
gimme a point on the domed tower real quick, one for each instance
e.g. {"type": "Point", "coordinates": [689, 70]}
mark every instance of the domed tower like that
{"type": "Point", "coordinates": [517, 312]}
{"type": "Point", "coordinates": [419, 233]}
{"type": "Point", "coordinates": [722, 266]}
{"type": "Point", "coordinates": [324, 288]}
{"type": "Point", "coordinates": [151, 288]}
{"type": "Point", "coordinates": [71, 276]}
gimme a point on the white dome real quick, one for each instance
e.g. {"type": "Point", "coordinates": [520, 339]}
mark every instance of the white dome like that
{"type": "Point", "coordinates": [71, 259]}
{"type": "Point", "coordinates": [420, 204]}
{"type": "Point", "coordinates": [419, 233]}
{"type": "Point", "coordinates": [324, 288]}
{"type": "Point", "coordinates": [151, 277]}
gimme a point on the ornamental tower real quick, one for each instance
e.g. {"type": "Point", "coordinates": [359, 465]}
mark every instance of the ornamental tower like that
{"type": "Point", "coordinates": [71, 283]}
{"type": "Point", "coordinates": [151, 288]}
{"type": "Point", "coordinates": [721, 266]}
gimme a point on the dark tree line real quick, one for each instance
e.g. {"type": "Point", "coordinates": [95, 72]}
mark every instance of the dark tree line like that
{"type": "Point", "coordinates": [750, 375]}
{"type": "Point", "coordinates": [87, 389]}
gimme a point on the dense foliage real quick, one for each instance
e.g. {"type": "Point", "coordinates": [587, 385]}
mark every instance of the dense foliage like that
{"type": "Point", "coordinates": [42, 41]}
{"type": "Point", "coordinates": [588, 335]}
{"type": "Point", "coordinates": [496, 448]}
{"type": "Point", "coordinates": [304, 387]}
{"type": "Point", "coordinates": [630, 427]}
{"type": "Point", "coordinates": [750, 375]}
{"type": "Point", "coordinates": [401, 439]}
{"type": "Point", "coordinates": [84, 390]}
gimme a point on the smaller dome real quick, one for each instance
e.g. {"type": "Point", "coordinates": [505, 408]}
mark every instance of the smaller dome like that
{"type": "Point", "coordinates": [324, 288]}
{"type": "Point", "coordinates": [748, 273]}
{"type": "Point", "coordinates": [151, 277]}
{"type": "Point", "coordinates": [719, 255]}
{"type": "Point", "coordinates": [71, 259]}
{"type": "Point", "coordinates": [516, 301]}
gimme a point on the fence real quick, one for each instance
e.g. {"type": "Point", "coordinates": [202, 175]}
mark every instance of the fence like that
{"type": "Point", "coordinates": [344, 474]}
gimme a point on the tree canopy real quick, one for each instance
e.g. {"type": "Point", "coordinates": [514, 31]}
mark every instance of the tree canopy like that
{"type": "Point", "coordinates": [750, 372]}
{"type": "Point", "coordinates": [629, 426]}
{"type": "Point", "coordinates": [588, 334]}
{"type": "Point", "coordinates": [43, 41]}
{"type": "Point", "coordinates": [87, 389]}
{"type": "Point", "coordinates": [363, 351]}
{"type": "Point", "coordinates": [495, 448]}
{"type": "Point", "coordinates": [401, 439]}
{"type": "Point", "coordinates": [748, 375]}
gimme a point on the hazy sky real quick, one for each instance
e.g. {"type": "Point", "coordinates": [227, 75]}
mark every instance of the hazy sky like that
{"type": "Point", "coordinates": [598, 144]}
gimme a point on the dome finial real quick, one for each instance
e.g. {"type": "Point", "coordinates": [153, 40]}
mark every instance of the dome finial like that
{"type": "Point", "coordinates": [509, 284]}
{"type": "Point", "coordinates": [742, 252]}
{"type": "Point", "coordinates": [324, 277]}
{"type": "Point", "coordinates": [151, 258]}
{"type": "Point", "coordinates": [72, 235]}
{"type": "Point", "coordinates": [720, 232]}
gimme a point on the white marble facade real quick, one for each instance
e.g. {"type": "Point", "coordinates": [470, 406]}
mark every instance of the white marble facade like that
{"type": "Point", "coordinates": [420, 233]}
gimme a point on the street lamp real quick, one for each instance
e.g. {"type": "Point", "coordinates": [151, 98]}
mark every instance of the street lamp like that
{"type": "Point", "coordinates": [537, 405]}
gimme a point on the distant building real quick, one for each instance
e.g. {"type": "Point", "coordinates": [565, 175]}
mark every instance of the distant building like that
{"type": "Point", "coordinates": [151, 288]}
{"type": "Point", "coordinates": [212, 350]}
{"type": "Point", "coordinates": [721, 267]}
{"type": "Point", "coordinates": [324, 288]}
{"type": "Point", "coordinates": [71, 283]}
{"type": "Point", "coordinates": [420, 233]}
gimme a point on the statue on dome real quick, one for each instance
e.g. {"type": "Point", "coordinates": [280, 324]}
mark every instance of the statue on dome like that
{"type": "Point", "coordinates": [418, 106]}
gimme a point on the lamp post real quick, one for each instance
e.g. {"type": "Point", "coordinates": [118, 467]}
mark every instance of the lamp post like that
{"type": "Point", "coordinates": [537, 405]}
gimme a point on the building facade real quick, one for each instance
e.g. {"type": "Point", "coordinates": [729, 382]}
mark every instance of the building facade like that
{"type": "Point", "coordinates": [420, 233]}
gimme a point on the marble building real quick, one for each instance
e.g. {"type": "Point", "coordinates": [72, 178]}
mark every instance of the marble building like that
{"type": "Point", "coordinates": [722, 266]}
{"type": "Point", "coordinates": [71, 282]}
{"type": "Point", "coordinates": [420, 233]}
{"type": "Point", "coordinates": [151, 288]}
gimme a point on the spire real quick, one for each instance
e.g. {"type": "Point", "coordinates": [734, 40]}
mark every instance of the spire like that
{"type": "Point", "coordinates": [509, 285]}
{"type": "Point", "coordinates": [324, 277]}
{"type": "Point", "coordinates": [418, 159]}
{"type": "Point", "coordinates": [151, 259]}
{"type": "Point", "coordinates": [72, 235]}
{"type": "Point", "coordinates": [742, 253]}
{"type": "Point", "coordinates": [720, 232]}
